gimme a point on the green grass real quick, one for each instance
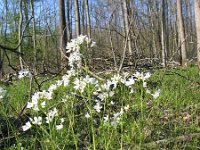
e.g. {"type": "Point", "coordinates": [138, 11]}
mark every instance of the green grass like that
{"type": "Point", "coordinates": [174, 114]}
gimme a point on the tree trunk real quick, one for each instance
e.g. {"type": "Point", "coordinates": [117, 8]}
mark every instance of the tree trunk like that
{"type": "Point", "coordinates": [163, 33]}
{"type": "Point", "coordinates": [197, 23]}
{"type": "Point", "coordinates": [34, 36]}
{"type": "Point", "coordinates": [20, 32]}
{"type": "Point", "coordinates": [123, 20]}
{"type": "Point", "coordinates": [181, 35]}
{"type": "Point", "coordinates": [63, 33]}
{"type": "Point", "coordinates": [78, 28]}
{"type": "Point", "coordinates": [69, 19]}
{"type": "Point", "coordinates": [88, 19]}
{"type": "Point", "coordinates": [83, 17]}
{"type": "Point", "coordinates": [127, 28]}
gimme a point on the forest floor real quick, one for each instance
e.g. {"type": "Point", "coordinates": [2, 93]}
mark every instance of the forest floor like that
{"type": "Point", "coordinates": [164, 114]}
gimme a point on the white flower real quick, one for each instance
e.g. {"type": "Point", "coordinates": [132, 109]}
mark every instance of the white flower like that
{"type": "Point", "coordinates": [126, 107]}
{"type": "Point", "coordinates": [26, 126]}
{"type": "Point", "coordinates": [2, 93]}
{"type": "Point", "coordinates": [156, 94]}
{"type": "Point", "coordinates": [106, 118]}
{"type": "Point", "coordinates": [79, 85]}
{"type": "Point", "coordinates": [52, 87]}
{"type": "Point", "coordinates": [36, 120]}
{"type": "Point", "coordinates": [98, 107]}
{"type": "Point", "coordinates": [59, 82]}
{"type": "Point", "coordinates": [51, 115]}
{"type": "Point", "coordinates": [106, 86]}
{"type": "Point", "coordinates": [141, 76]}
{"type": "Point", "coordinates": [103, 96]}
{"type": "Point", "coordinates": [87, 115]}
{"type": "Point", "coordinates": [75, 59]}
{"type": "Point", "coordinates": [62, 120]}
{"type": "Point", "coordinates": [66, 79]}
{"type": "Point", "coordinates": [132, 91]}
{"type": "Point", "coordinates": [148, 91]}
{"type": "Point", "coordinates": [59, 127]}
{"type": "Point", "coordinates": [23, 73]}
{"type": "Point", "coordinates": [93, 44]}
{"type": "Point", "coordinates": [43, 104]}
{"type": "Point", "coordinates": [112, 103]}
{"type": "Point", "coordinates": [130, 82]}
{"type": "Point", "coordinates": [144, 84]}
{"type": "Point", "coordinates": [147, 75]}
{"type": "Point", "coordinates": [88, 80]}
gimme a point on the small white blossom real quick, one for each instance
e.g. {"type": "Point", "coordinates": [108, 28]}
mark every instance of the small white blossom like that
{"type": "Point", "coordinates": [130, 82]}
{"type": "Point", "coordinates": [59, 127]}
{"type": "Point", "coordinates": [23, 73]}
{"type": "Point", "coordinates": [112, 103]}
{"type": "Point", "coordinates": [144, 84]}
{"type": "Point", "coordinates": [87, 115]}
{"type": "Point", "coordinates": [62, 120]}
{"type": "Point", "coordinates": [156, 94]}
{"type": "Point", "coordinates": [79, 85]}
{"type": "Point", "coordinates": [43, 104]}
{"type": "Point", "coordinates": [36, 120]}
{"type": "Point", "coordinates": [26, 126]}
{"type": "Point", "coordinates": [126, 107]}
{"type": "Point", "coordinates": [2, 93]}
{"type": "Point", "coordinates": [106, 118]}
{"type": "Point", "coordinates": [98, 107]}
{"type": "Point", "coordinates": [51, 115]}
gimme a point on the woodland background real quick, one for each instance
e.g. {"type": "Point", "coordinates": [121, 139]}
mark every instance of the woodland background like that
{"type": "Point", "coordinates": [34, 33]}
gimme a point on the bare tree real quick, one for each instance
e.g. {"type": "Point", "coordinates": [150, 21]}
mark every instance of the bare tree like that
{"type": "Point", "coordinates": [127, 27]}
{"type": "Point", "coordinates": [181, 35]}
{"type": "Point", "coordinates": [197, 23]}
{"type": "Point", "coordinates": [63, 33]}
{"type": "Point", "coordinates": [123, 20]}
{"type": "Point", "coordinates": [34, 35]}
{"type": "Point", "coordinates": [78, 26]}
{"type": "Point", "coordinates": [88, 19]}
{"type": "Point", "coordinates": [20, 32]}
{"type": "Point", "coordinates": [163, 33]}
{"type": "Point", "coordinates": [69, 21]}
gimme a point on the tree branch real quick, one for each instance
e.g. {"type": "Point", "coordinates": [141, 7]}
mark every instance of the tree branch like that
{"type": "Point", "coordinates": [14, 50]}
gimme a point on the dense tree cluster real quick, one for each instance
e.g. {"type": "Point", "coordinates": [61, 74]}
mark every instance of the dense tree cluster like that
{"type": "Point", "coordinates": [127, 32]}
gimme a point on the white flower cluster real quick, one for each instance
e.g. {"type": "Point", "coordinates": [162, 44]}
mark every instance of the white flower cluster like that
{"type": "Point", "coordinates": [74, 47]}
{"type": "Point", "coordinates": [24, 73]}
{"type": "Point", "coordinates": [39, 100]}
{"type": "Point", "coordinates": [102, 93]}
{"type": "Point", "coordinates": [2, 93]}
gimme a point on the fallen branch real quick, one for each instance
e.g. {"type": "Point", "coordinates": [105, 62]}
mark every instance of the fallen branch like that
{"type": "Point", "coordinates": [92, 74]}
{"type": "Point", "coordinates": [182, 138]}
{"type": "Point", "coordinates": [175, 73]}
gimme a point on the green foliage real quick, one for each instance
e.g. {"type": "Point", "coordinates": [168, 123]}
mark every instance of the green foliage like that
{"type": "Point", "coordinates": [173, 114]}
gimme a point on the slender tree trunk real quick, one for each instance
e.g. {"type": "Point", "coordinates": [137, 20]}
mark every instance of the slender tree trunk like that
{"type": "Point", "coordinates": [197, 23]}
{"type": "Point", "coordinates": [63, 33]}
{"type": "Point", "coordinates": [20, 32]}
{"type": "Point", "coordinates": [78, 28]}
{"type": "Point", "coordinates": [123, 20]}
{"type": "Point", "coordinates": [163, 33]}
{"type": "Point", "coordinates": [83, 17]}
{"type": "Point", "coordinates": [88, 19]}
{"type": "Point", "coordinates": [69, 20]}
{"type": "Point", "coordinates": [127, 28]}
{"type": "Point", "coordinates": [181, 36]}
{"type": "Point", "coordinates": [34, 36]}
